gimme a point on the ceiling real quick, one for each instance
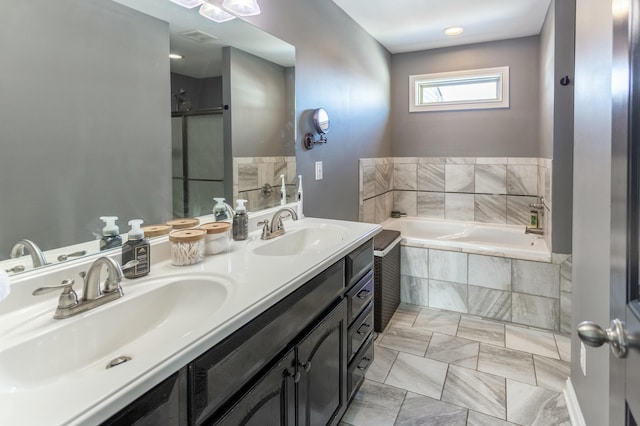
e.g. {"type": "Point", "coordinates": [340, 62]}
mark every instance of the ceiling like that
{"type": "Point", "coordinates": [413, 25]}
{"type": "Point", "coordinates": [204, 58]}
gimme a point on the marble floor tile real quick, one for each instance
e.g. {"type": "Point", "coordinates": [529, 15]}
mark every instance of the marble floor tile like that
{"type": "Point", "coordinates": [418, 410]}
{"type": "Point", "coordinates": [551, 374]}
{"type": "Point", "coordinates": [406, 339]}
{"type": "Point", "coordinates": [437, 321]}
{"type": "Point", "coordinates": [417, 374]}
{"type": "Point", "coordinates": [405, 315]}
{"type": "Point", "coordinates": [453, 350]}
{"type": "Point", "coordinates": [382, 362]}
{"type": "Point", "coordinates": [532, 405]}
{"type": "Point", "coordinates": [375, 404]}
{"type": "Point", "coordinates": [475, 390]}
{"type": "Point", "coordinates": [507, 363]}
{"type": "Point", "coordinates": [479, 419]}
{"type": "Point", "coordinates": [564, 347]}
{"type": "Point", "coordinates": [482, 331]}
{"type": "Point", "coordinates": [532, 341]}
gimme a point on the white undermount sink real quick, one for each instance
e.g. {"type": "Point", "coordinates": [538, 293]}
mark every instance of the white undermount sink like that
{"type": "Point", "coordinates": [303, 240]}
{"type": "Point", "coordinates": [159, 310]}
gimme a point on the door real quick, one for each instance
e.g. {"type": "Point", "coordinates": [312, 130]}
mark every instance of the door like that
{"type": "Point", "coordinates": [322, 364]}
{"type": "Point", "coordinates": [270, 402]}
{"type": "Point", "coordinates": [624, 362]}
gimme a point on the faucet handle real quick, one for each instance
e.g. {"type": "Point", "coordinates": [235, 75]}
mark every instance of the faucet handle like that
{"type": "Point", "coordinates": [68, 297]}
{"type": "Point", "coordinates": [265, 229]}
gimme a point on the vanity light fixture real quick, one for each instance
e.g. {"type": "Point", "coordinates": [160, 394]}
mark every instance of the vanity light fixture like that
{"type": "Point", "coordinates": [241, 7]}
{"type": "Point", "coordinates": [453, 31]}
{"type": "Point", "coordinates": [175, 56]}
{"type": "Point", "coordinates": [215, 13]}
{"type": "Point", "coordinates": [189, 4]}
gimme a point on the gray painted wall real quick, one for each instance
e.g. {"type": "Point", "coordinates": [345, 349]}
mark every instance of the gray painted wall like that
{"type": "Point", "coordinates": [261, 125]}
{"type": "Point", "coordinates": [511, 132]}
{"type": "Point", "coordinates": [562, 183]}
{"type": "Point", "coordinates": [556, 113]}
{"type": "Point", "coordinates": [343, 69]}
{"type": "Point", "coordinates": [60, 152]}
{"type": "Point", "coordinates": [591, 201]}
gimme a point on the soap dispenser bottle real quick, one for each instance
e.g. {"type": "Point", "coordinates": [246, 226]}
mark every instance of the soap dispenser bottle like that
{"type": "Point", "coordinates": [136, 248]}
{"type": "Point", "coordinates": [240, 222]}
{"type": "Point", "coordinates": [110, 233]}
{"type": "Point", "coordinates": [220, 210]}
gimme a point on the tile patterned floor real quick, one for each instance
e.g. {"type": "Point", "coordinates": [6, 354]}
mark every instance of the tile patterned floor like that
{"type": "Point", "coordinates": [440, 368]}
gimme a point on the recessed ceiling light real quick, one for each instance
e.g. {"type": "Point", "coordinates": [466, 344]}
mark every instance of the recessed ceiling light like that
{"type": "Point", "coordinates": [175, 56]}
{"type": "Point", "coordinates": [453, 31]}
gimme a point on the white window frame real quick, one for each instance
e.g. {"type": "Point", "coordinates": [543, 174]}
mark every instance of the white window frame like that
{"type": "Point", "coordinates": [499, 73]}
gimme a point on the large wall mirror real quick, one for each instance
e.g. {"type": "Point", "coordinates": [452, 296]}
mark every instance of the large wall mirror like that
{"type": "Point", "coordinates": [98, 121]}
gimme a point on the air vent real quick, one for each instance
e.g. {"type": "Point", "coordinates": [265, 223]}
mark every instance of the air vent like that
{"type": "Point", "coordinates": [198, 36]}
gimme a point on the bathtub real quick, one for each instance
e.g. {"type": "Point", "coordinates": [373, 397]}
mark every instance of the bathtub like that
{"type": "Point", "coordinates": [470, 237]}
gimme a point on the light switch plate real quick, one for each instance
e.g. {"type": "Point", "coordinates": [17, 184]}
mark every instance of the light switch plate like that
{"type": "Point", "coordinates": [318, 170]}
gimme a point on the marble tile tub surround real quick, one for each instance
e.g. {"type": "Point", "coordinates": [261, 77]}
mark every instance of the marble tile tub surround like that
{"type": "Point", "coordinates": [480, 189]}
{"type": "Point", "coordinates": [469, 371]}
{"type": "Point", "coordinates": [251, 173]}
{"type": "Point", "coordinates": [517, 291]}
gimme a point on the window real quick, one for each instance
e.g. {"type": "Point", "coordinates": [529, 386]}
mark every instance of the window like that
{"type": "Point", "coordinates": [458, 90]}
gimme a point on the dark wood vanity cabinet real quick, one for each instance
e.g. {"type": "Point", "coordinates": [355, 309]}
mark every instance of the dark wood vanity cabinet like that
{"type": "Point", "coordinates": [298, 363]}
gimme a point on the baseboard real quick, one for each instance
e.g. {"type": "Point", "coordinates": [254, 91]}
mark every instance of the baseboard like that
{"type": "Point", "coordinates": [570, 397]}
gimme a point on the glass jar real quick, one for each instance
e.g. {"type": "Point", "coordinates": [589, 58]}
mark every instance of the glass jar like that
{"type": "Point", "coordinates": [218, 237]}
{"type": "Point", "coordinates": [187, 246]}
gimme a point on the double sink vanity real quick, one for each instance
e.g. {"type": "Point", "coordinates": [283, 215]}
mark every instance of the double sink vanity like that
{"type": "Point", "coordinates": [272, 332]}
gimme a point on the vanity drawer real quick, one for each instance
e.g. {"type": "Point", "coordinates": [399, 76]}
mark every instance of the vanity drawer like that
{"type": "Point", "coordinates": [360, 295]}
{"type": "Point", "coordinates": [358, 367]}
{"type": "Point", "coordinates": [358, 262]}
{"type": "Point", "coordinates": [359, 331]}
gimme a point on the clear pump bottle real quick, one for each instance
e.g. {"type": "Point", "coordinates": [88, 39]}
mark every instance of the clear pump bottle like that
{"type": "Point", "coordinates": [110, 233]}
{"type": "Point", "coordinates": [240, 222]}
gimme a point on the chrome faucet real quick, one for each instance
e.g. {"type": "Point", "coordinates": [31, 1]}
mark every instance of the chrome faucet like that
{"type": "Point", "coordinates": [92, 295]}
{"type": "Point", "coordinates": [276, 228]}
{"type": "Point", "coordinates": [37, 257]}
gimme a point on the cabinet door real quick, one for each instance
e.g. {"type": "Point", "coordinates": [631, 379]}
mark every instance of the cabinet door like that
{"type": "Point", "coordinates": [270, 402]}
{"type": "Point", "coordinates": [322, 364]}
{"type": "Point", "coordinates": [165, 404]}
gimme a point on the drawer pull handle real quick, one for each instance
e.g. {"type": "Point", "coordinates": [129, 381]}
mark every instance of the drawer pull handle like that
{"type": "Point", "coordinates": [367, 361]}
{"type": "Point", "coordinates": [366, 329]}
{"type": "Point", "coordinates": [363, 294]}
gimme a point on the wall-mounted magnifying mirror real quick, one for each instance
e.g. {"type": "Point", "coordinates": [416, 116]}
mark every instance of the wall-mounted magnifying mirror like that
{"type": "Point", "coordinates": [321, 125]}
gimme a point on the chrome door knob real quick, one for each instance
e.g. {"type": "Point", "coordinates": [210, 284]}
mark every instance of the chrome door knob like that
{"type": "Point", "coordinates": [593, 335]}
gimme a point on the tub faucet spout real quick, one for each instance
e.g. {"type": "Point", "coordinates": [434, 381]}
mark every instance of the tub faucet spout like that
{"type": "Point", "coordinates": [535, 231]}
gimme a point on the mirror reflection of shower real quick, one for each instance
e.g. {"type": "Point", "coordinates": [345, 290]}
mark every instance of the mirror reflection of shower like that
{"type": "Point", "coordinates": [182, 103]}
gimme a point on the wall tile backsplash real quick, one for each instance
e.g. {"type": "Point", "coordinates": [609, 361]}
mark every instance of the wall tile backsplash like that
{"type": "Point", "coordinates": [488, 190]}
{"type": "Point", "coordinates": [250, 174]}
{"type": "Point", "coordinates": [482, 189]}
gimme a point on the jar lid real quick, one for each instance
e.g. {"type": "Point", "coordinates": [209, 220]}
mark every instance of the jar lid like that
{"type": "Point", "coordinates": [187, 235]}
{"type": "Point", "coordinates": [215, 227]}
{"type": "Point", "coordinates": [183, 223]}
{"type": "Point", "coordinates": [156, 230]}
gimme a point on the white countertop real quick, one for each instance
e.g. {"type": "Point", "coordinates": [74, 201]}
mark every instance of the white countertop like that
{"type": "Point", "coordinates": [93, 394]}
